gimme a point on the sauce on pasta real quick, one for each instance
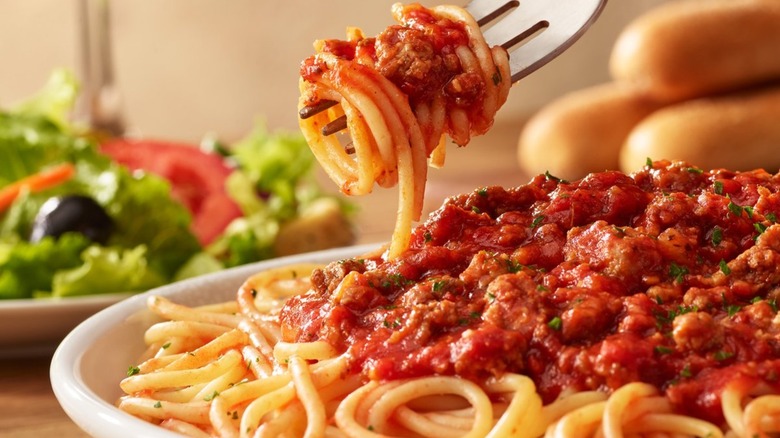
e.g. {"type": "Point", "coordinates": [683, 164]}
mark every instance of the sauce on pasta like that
{"type": "Point", "coordinates": [670, 276]}
{"type": "Point", "coordinates": [616, 305]}
{"type": "Point", "coordinates": [397, 96]}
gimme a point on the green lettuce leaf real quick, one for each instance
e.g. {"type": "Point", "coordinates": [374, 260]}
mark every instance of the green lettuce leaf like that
{"type": "Point", "coordinates": [107, 269]}
{"type": "Point", "coordinates": [151, 244]}
{"type": "Point", "coordinates": [26, 268]}
{"type": "Point", "coordinates": [36, 135]}
{"type": "Point", "coordinates": [55, 100]}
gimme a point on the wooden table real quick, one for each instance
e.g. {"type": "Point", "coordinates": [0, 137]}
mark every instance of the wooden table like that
{"type": "Point", "coordinates": [28, 407]}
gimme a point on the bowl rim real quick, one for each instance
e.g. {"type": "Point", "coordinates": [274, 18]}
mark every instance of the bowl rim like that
{"type": "Point", "coordinates": [97, 416]}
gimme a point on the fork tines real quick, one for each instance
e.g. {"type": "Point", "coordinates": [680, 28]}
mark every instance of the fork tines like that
{"type": "Point", "coordinates": [485, 11]}
{"type": "Point", "coordinates": [545, 28]}
{"type": "Point", "coordinates": [315, 108]}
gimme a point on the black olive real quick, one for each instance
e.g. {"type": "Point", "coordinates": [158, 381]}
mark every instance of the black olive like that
{"type": "Point", "coordinates": [73, 213]}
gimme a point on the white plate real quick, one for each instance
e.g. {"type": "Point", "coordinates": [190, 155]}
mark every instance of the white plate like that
{"type": "Point", "coordinates": [36, 326]}
{"type": "Point", "coordinates": [94, 357]}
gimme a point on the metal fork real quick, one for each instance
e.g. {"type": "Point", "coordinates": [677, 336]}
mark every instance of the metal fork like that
{"type": "Point", "coordinates": [545, 28]}
{"type": "Point", "coordinates": [532, 31]}
{"type": "Point", "coordinates": [101, 100]}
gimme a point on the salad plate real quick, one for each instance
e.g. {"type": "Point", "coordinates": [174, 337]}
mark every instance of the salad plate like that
{"type": "Point", "coordinates": [92, 359]}
{"type": "Point", "coordinates": [84, 215]}
{"type": "Point", "coordinates": [35, 326]}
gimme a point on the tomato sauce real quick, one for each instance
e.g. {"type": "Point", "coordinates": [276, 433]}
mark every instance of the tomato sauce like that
{"type": "Point", "coordinates": [669, 276]}
{"type": "Point", "coordinates": [418, 55]}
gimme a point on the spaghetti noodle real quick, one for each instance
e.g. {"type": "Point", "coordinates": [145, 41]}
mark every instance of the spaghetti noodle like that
{"type": "Point", "coordinates": [642, 305]}
{"type": "Point", "coordinates": [401, 92]}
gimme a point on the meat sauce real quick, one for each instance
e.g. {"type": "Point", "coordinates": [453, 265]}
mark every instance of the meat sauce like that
{"type": "Point", "coordinates": [669, 276]}
{"type": "Point", "coordinates": [417, 55]}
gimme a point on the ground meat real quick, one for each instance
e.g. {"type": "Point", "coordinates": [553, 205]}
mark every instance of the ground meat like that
{"type": "Point", "coordinates": [465, 89]}
{"type": "Point", "coordinates": [696, 331]}
{"type": "Point", "coordinates": [669, 276]}
{"type": "Point", "coordinates": [589, 314]}
{"type": "Point", "coordinates": [409, 58]}
{"type": "Point", "coordinates": [617, 251]}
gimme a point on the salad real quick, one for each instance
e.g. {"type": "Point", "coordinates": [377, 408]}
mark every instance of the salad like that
{"type": "Point", "coordinates": [81, 214]}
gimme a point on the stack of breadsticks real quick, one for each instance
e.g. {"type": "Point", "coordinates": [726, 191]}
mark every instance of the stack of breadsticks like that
{"type": "Point", "coordinates": [692, 80]}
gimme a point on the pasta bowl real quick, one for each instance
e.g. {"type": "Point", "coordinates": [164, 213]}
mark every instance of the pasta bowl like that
{"type": "Point", "coordinates": [92, 359]}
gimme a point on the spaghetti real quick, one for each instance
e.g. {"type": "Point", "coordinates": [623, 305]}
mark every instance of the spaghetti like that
{"type": "Point", "coordinates": [642, 305]}
{"type": "Point", "coordinates": [401, 92]}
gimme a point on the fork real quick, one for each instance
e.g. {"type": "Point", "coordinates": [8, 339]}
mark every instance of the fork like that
{"type": "Point", "coordinates": [546, 28]}
{"type": "Point", "coordinates": [101, 101]}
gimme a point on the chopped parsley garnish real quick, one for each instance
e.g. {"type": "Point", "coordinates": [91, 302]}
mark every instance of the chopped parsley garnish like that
{"type": "Point", "coordinates": [513, 266]}
{"type": "Point", "coordinates": [662, 349]}
{"type": "Point", "coordinates": [677, 272]}
{"type": "Point", "coordinates": [717, 236]}
{"type": "Point", "coordinates": [396, 279]}
{"type": "Point", "coordinates": [695, 170]}
{"type": "Point", "coordinates": [555, 323]}
{"type": "Point", "coordinates": [158, 405]}
{"type": "Point", "coordinates": [649, 162]}
{"type": "Point", "coordinates": [427, 236]}
{"type": "Point", "coordinates": [671, 314]}
{"type": "Point", "coordinates": [771, 217]}
{"type": "Point", "coordinates": [551, 177]}
{"type": "Point", "coordinates": [731, 309]}
{"type": "Point", "coordinates": [724, 267]}
{"type": "Point", "coordinates": [717, 187]}
{"type": "Point", "coordinates": [438, 285]}
{"type": "Point", "coordinates": [392, 324]}
{"type": "Point", "coordinates": [537, 221]}
{"type": "Point", "coordinates": [133, 370]}
{"type": "Point", "coordinates": [475, 209]}
{"type": "Point", "coordinates": [759, 227]}
{"type": "Point", "coordinates": [749, 210]}
{"type": "Point", "coordinates": [482, 192]}
{"type": "Point", "coordinates": [211, 396]}
{"type": "Point", "coordinates": [721, 355]}
{"type": "Point", "coordinates": [166, 345]}
{"type": "Point", "coordinates": [686, 371]}
{"type": "Point", "coordinates": [735, 209]}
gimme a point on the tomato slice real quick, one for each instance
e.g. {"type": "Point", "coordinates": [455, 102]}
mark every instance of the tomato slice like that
{"type": "Point", "coordinates": [197, 179]}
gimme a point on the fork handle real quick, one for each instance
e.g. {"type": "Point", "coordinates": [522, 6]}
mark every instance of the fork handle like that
{"type": "Point", "coordinates": [101, 100]}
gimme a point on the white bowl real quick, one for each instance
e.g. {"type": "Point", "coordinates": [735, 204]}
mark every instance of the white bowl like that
{"type": "Point", "coordinates": [92, 359]}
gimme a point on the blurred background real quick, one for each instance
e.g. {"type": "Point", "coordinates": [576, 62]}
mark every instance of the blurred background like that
{"type": "Point", "coordinates": [189, 67]}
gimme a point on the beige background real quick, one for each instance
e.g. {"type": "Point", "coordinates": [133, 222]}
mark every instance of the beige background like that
{"type": "Point", "coordinates": [190, 67]}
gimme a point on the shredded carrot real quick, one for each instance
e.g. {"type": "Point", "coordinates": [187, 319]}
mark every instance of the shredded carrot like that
{"type": "Point", "coordinates": [42, 180]}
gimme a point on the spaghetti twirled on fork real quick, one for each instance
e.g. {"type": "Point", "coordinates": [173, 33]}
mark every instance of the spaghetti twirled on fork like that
{"type": "Point", "coordinates": [401, 92]}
